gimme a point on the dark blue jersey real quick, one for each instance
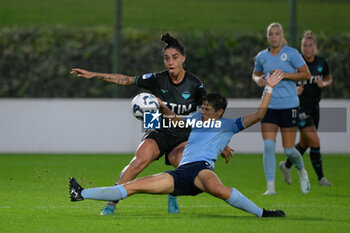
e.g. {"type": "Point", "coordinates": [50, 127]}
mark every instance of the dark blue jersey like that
{"type": "Point", "coordinates": [311, 95]}
{"type": "Point", "coordinates": [182, 98]}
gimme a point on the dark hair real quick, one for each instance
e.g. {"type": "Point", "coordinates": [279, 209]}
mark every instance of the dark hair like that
{"type": "Point", "coordinates": [172, 42]}
{"type": "Point", "coordinates": [216, 100]}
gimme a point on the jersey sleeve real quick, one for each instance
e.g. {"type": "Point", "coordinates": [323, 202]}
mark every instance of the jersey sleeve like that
{"type": "Point", "coordinates": [200, 92]}
{"type": "Point", "coordinates": [238, 125]}
{"type": "Point", "coordinates": [297, 60]}
{"type": "Point", "coordinates": [258, 66]}
{"type": "Point", "coordinates": [147, 81]}
{"type": "Point", "coordinates": [326, 71]}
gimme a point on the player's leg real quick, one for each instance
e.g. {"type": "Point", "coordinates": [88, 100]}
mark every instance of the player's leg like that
{"type": "Point", "coordinates": [209, 182]}
{"type": "Point", "coordinates": [146, 153]}
{"type": "Point", "coordinates": [162, 183]}
{"type": "Point", "coordinates": [305, 120]}
{"type": "Point", "coordinates": [173, 158]}
{"type": "Point", "coordinates": [301, 146]}
{"type": "Point", "coordinates": [311, 136]}
{"type": "Point", "coordinates": [269, 132]}
{"type": "Point", "coordinates": [288, 141]}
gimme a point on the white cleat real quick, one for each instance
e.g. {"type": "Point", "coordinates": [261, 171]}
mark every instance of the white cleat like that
{"type": "Point", "coordinates": [269, 191]}
{"type": "Point", "coordinates": [304, 184]}
{"type": "Point", "coordinates": [286, 172]}
{"type": "Point", "coordinates": [324, 182]}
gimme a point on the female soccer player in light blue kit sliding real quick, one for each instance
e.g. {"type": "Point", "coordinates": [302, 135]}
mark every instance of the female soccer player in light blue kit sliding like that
{"type": "Point", "coordinates": [195, 173]}
{"type": "Point", "coordinates": [283, 108]}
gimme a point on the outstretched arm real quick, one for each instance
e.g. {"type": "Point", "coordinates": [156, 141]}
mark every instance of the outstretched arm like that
{"type": "Point", "coordinates": [271, 81]}
{"type": "Point", "coordinates": [119, 79]}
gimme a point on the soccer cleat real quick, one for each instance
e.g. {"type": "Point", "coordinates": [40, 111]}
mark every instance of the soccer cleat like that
{"type": "Point", "coordinates": [108, 210]}
{"type": "Point", "coordinates": [173, 208]}
{"type": "Point", "coordinates": [75, 190]}
{"type": "Point", "coordinates": [304, 184]}
{"type": "Point", "coordinates": [273, 213]}
{"type": "Point", "coordinates": [286, 172]}
{"type": "Point", "coordinates": [324, 182]}
{"type": "Point", "coordinates": [269, 191]}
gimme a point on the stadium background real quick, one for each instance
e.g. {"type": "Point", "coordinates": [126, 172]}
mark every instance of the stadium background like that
{"type": "Point", "coordinates": [40, 41]}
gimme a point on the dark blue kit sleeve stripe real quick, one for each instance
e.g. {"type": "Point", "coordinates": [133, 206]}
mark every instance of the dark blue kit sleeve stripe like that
{"type": "Point", "coordinates": [240, 124]}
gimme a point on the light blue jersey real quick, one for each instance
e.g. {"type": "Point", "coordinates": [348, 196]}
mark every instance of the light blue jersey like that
{"type": "Point", "coordinates": [288, 60]}
{"type": "Point", "coordinates": [205, 144]}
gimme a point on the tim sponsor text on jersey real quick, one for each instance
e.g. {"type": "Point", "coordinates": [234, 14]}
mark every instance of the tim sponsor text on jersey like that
{"type": "Point", "coordinates": [312, 80]}
{"type": "Point", "coordinates": [178, 108]}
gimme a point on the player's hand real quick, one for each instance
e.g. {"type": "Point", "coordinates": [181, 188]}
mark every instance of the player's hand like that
{"type": "Point", "coordinates": [261, 82]}
{"type": "Point", "coordinates": [300, 89]}
{"type": "Point", "coordinates": [320, 83]}
{"type": "Point", "coordinates": [161, 104]}
{"type": "Point", "coordinates": [227, 153]}
{"type": "Point", "coordinates": [275, 78]}
{"type": "Point", "coordinates": [82, 73]}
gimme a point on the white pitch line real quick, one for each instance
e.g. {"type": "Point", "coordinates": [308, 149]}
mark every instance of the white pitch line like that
{"type": "Point", "coordinates": [163, 206]}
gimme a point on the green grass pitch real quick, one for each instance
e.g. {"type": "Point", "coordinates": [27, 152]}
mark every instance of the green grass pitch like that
{"type": "Point", "coordinates": [182, 15]}
{"type": "Point", "coordinates": [34, 198]}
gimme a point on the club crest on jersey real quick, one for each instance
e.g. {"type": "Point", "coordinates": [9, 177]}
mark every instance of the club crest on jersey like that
{"type": "Point", "coordinates": [186, 94]}
{"type": "Point", "coordinates": [146, 76]}
{"type": "Point", "coordinates": [319, 68]}
{"type": "Point", "coordinates": [284, 57]}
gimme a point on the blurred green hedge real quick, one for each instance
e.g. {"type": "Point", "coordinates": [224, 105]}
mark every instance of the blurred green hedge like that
{"type": "Point", "coordinates": [35, 62]}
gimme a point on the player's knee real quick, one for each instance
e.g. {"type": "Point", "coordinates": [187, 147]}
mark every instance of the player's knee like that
{"type": "Point", "coordinates": [289, 152]}
{"type": "Point", "coordinates": [219, 192]}
{"type": "Point", "coordinates": [315, 142]}
{"type": "Point", "coordinates": [174, 160]}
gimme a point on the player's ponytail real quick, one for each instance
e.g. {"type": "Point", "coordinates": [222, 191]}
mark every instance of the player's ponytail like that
{"type": "Point", "coordinates": [308, 34]}
{"type": "Point", "coordinates": [172, 42]}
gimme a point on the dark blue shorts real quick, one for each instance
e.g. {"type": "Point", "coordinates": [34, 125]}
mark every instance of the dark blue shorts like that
{"type": "Point", "coordinates": [165, 142]}
{"type": "Point", "coordinates": [184, 178]}
{"type": "Point", "coordinates": [282, 117]}
{"type": "Point", "coordinates": [309, 118]}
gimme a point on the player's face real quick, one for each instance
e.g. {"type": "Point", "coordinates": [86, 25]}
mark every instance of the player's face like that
{"type": "Point", "coordinates": [308, 48]}
{"type": "Point", "coordinates": [173, 61]}
{"type": "Point", "coordinates": [275, 37]}
{"type": "Point", "coordinates": [209, 112]}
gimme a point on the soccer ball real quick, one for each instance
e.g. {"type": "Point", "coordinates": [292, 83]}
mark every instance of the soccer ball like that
{"type": "Point", "coordinates": [143, 102]}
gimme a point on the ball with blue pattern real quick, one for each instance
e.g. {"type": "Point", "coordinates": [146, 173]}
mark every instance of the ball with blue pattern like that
{"type": "Point", "coordinates": [142, 103]}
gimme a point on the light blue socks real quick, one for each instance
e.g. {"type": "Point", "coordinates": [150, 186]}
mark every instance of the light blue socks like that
{"type": "Point", "coordinates": [269, 160]}
{"type": "Point", "coordinates": [241, 202]}
{"type": "Point", "coordinates": [295, 157]}
{"type": "Point", "coordinates": [114, 193]}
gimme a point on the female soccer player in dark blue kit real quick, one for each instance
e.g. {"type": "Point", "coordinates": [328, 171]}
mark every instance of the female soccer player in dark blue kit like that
{"type": "Point", "coordinates": [283, 108]}
{"type": "Point", "coordinates": [309, 112]}
{"type": "Point", "coordinates": [181, 91]}
{"type": "Point", "coordinates": [195, 173]}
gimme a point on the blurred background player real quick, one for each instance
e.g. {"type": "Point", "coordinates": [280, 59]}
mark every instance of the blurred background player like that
{"type": "Point", "coordinates": [195, 173]}
{"type": "Point", "coordinates": [181, 91]}
{"type": "Point", "coordinates": [283, 108]}
{"type": "Point", "coordinates": [309, 92]}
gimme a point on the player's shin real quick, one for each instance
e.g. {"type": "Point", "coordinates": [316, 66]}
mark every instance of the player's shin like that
{"type": "Point", "coordinates": [239, 201]}
{"type": "Point", "coordinates": [113, 193]}
{"type": "Point", "coordinates": [295, 157]}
